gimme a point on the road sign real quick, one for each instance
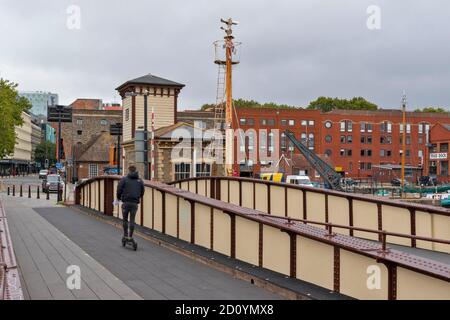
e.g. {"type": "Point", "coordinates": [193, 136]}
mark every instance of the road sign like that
{"type": "Point", "coordinates": [57, 113]}
{"type": "Point", "coordinates": [59, 165]}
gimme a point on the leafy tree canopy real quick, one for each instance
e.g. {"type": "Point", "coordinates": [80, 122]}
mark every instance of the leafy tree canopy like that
{"type": "Point", "coordinates": [243, 103]}
{"type": "Point", "coordinates": [45, 150]}
{"type": "Point", "coordinates": [432, 110]}
{"type": "Point", "coordinates": [11, 108]}
{"type": "Point", "coordinates": [327, 104]}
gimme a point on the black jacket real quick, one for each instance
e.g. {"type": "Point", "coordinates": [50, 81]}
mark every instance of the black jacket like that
{"type": "Point", "coordinates": [130, 188]}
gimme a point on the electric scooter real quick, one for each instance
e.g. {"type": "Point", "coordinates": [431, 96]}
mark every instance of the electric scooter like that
{"type": "Point", "coordinates": [127, 240]}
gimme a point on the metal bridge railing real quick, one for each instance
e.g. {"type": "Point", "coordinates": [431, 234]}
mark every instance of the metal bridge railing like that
{"type": "Point", "coordinates": [295, 249]}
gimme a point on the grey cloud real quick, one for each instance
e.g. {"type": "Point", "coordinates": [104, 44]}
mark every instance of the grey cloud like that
{"type": "Point", "coordinates": [292, 52]}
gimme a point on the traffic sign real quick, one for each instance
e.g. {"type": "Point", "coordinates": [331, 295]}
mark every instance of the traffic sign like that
{"type": "Point", "coordinates": [59, 165]}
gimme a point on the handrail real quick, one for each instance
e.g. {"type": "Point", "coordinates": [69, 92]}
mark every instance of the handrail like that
{"type": "Point", "coordinates": [10, 287]}
{"type": "Point", "coordinates": [372, 199]}
{"type": "Point", "coordinates": [330, 226]}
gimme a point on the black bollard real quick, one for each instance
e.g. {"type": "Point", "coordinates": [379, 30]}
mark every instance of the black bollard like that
{"type": "Point", "coordinates": [29, 192]}
{"type": "Point", "coordinates": [21, 192]}
{"type": "Point", "coordinates": [14, 190]}
{"type": "Point", "coordinates": [48, 195]}
{"type": "Point", "coordinates": [8, 191]}
{"type": "Point", "coordinates": [38, 196]}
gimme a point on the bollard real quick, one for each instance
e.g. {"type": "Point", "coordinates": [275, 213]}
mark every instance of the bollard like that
{"type": "Point", "coordinates": [8, 190]}
{"type": "Point", "coordinates": [59, 195]}
{"type": "Point", "coordinates": [21, 192]}
{"type": "Point", "coordinates": [29, 192]}
{"type": "Point", "coordinates": [48, 195]}
{"type": "Point", "coordinates": [14, 190]}
{"type": "Point", "coordinates": [38, 196]}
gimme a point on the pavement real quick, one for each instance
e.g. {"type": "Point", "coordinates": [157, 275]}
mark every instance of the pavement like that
{"type": "Point", "coordinates": [48, 238]}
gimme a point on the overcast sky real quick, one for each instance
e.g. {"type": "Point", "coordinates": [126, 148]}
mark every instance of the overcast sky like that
{"type": "Point", "coordinates": [292, 52]}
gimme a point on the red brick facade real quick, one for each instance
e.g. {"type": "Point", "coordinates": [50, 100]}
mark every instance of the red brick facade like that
{"type": "Point", "coordinates": [354, 140]}
{"type": "Point", "coordinates": [437, 162]}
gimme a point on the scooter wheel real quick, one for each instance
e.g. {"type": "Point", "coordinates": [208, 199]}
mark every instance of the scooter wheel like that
{"type": "Point", "coordinates": [124, 243]}
{"type": "Point", "coordinates": [135, 246]}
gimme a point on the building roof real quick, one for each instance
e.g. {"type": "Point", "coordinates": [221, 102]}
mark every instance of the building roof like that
{"type": "Point", "coordinates": [446, 126]}
{"type": "Point", "coordinates": [97, 149]}
{"type": "Point", "coordinates": [150, 79]}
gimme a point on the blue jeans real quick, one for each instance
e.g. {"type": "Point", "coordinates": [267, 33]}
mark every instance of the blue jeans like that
{"type": "Point", "coordinates": [129, 208]}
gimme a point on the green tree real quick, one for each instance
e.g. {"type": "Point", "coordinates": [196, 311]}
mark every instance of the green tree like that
{"type": "Point", "coordinates": [327, 104]}
{"type": "Point", "coordinates": [432, 110]}
{"type": "Point", "coordinates": [11, 108]}
{"type": "Point", "coordinates": [243, 103]}
{"type": "Point", "coordinates": [45, 150]}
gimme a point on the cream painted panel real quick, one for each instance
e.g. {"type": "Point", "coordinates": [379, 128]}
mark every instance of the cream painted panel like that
{"type": "Point", "coordinates": [138, 214]}
{"type": "Point", "coordinates": [201, 187]}
{"type": "Point", "coordinates": [415, 286]}
{"type": "Point", "coordinates": [441, 230]}
{"type": "Point", "coordinates": [222, 232]}
{"type": "Point", "coordinates": [208, 188]}
{"type": "Point", "coordinates": [276, 250]}
{"type": "Point", "coordinates": [116, 209]}
{"type": "Point", "coordinates": [261, 197]}
{"type": "Point", "coordinates": [234, 192]}
{"type": "Point", "coordinates": [295, 203]}
{"type": "Point", "coordinates": [164, 110]}
{"type": "Point", "coordinates": [315, 262]}
{"type": "Point", "coordinates": [185, 185]}
{"type": "Point", "coordinates": [247, 195]}
{"type": "Point", "coordinates": [315, 203]}
{"type": "Point", "coordinates": [224, 190]}
{"type": "Point", "coordinates": [203, 226]}
{"type": "Point", "coordinates": [247, 240]}
{"type": "Point", "coordinates": [185, 220]}
{"type": "Point", "coordinates": [171, 215]}
{"type": "Point", "coordinates": [148, 212]}
{"type": "Point", "coordinates": [102, 195]}
{"type": "Point", "coordinates": [356, 273]}
{"type": "Point", "coordinates": [158, 210]}
{"type": "Point", "coordinates": [338, 213]}
{"type": "Point", "coordinates": [192, 186]}
{"type": "Point", "coordinates": [365, 215]}
{"type": "Point", "coordinates": [397, 220]}
{"type": "Point", "coordinates": [424, 229]}
{"type": "Point", "coordinates": [277, 201]}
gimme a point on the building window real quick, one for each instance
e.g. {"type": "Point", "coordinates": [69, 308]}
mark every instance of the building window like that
{"type": "Point", "coordinates": [127, 114]}
{"type": "Point", "coordinates": [250, 122]}
{"type": "Point", "coordinates": [182, 171]}
{"type": "Point", "coordinates": [328, 124]}
{"type": "Point", "coordinates": [408, 153]}
{"type": "Point", "coordinates": [408, 128]}
{"type": "Point", "coordinates": [311, 122]}
{"type": "Point", "coordinates": [386, 126]}
{"type": "Point", "coordinates": [444, 168]}
{"type": "Point", "coordinates": [80, 132]}
{"type": "Point", "coordinates": [342, 139]}
{"type": "Point", "coordinates": [304, 123]}
{"type": "Point", "coordinates": [283, 122]}
{"type": "Point", "coordinates": [291, 122]}
{"type": "Point", "coordinates": [79, 122]}
{"type": "Point", "coordinates": [349, 139]}
{"type": "Point", "coordinates": [444, 147]}
{"type": "Point", "coordinates": [242, 121]}
{"type": "Point", "coordinates": [263, 122]}
{"type": "Point", "coordinates": [346, 125]}
{"type": "Point", "coordinates": [328, 139]}
{"type": "Point", "coordinates": [328, 152]}
{"type": "Point", "coordinates": [103, 122]}
{"type": "Point", "coordinates": [408, 140]}
{"type": "Point", "coordinates": [93, 170]}
{"type": "Point", "coordinates": [203, 170]}
{"type": "Point", "coordinates": [270, 122]}
{"type": "Point", "coordinates": [311, 141]}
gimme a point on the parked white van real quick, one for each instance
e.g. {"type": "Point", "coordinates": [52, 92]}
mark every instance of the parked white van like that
{"type": "Point", "coordinates": [299, 180]}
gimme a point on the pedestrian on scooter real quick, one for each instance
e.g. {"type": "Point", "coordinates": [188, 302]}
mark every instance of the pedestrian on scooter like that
{"type": "Point", "coordinates": [130, 191]}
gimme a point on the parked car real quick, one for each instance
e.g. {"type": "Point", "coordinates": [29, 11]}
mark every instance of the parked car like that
{"type": "Point", "coordinates": [53, 183]}
{"type": "Point", "coordinates": [426, 181]}
{"type": "Point", "coordinates": [299, 180]}
{"type": "Point", "coordinates": [348, 182]}
{"type": "Point", "coordinates": [397, 182]}
{"type": "Point", "coordinates": [43, 174]}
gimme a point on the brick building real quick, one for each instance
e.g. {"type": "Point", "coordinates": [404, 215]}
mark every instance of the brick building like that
{"type": "Point", "coordinates": [86, 140]}
{"type": "Point", "coordinates": [353, 140]}
{"type": "Point", "coordinates": [437, 159]}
